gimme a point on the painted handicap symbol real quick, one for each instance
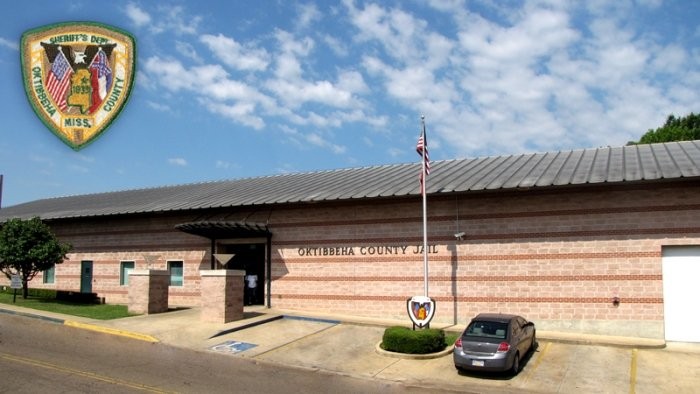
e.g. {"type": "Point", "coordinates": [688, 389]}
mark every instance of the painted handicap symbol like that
{"type": "Point", "coordinates": [233, 347]}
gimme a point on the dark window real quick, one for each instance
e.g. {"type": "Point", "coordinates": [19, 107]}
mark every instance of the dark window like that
{"type": "Point", "coordinates": [124, 269]}
{"type": "Point", "coordinates": [176, 275]}
{"type": "Point", "coordinates": [488, 329]}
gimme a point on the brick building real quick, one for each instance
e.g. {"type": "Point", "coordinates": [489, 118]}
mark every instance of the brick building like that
{"type": "Point", "coordinates": [601, 240]}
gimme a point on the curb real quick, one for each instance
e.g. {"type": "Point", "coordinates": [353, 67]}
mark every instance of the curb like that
{"type": "Point", "coordinates": [601, 340]}
{"type": "Point", "coordinates": [406, 356]}
{"type": "Point", "coordinates": [112, 331]}
{"type": "Point", "coordinates": [24, 314]}
{"type": "Point", "coordinates": [84, 326]}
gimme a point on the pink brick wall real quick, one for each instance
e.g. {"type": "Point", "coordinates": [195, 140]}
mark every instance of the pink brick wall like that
{"type": "Point", "coordinates": [222, 295]}
{"type": "Point", "coordinates": [148, 291]}
{"type": "Point", "coordinates": [556, 257]}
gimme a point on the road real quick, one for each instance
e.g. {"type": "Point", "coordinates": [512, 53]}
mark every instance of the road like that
{"type": "Point", "coordinates": [301, 355]}
{"type": "Point", "coordinates": [39, 356]}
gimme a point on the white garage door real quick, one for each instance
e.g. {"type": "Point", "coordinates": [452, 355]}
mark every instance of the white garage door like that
{"type": "Point", "coordinates": [681, 272]}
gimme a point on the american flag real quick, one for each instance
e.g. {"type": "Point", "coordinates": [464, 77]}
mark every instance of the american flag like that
{"type": "Point", "coordinates": [422, 149]}
{"type": "Point", "coordinates": [420, 146]}
{"type": "Point", "coordinates": [58, 81]}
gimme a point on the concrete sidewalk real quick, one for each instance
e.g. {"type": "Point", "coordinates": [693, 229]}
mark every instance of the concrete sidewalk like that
{"type": "Point", "coordinates": [336, 343]}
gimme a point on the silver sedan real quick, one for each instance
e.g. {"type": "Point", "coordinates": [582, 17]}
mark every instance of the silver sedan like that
{"type": "Point", "coordinates": [494, 342]}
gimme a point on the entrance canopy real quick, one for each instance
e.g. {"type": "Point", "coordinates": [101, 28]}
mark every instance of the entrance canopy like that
{"type": "Point", "coordinates": [224, 229]}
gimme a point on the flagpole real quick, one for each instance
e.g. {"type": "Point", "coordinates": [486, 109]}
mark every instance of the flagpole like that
{"type": "Point", "coordinates": [425, 217]}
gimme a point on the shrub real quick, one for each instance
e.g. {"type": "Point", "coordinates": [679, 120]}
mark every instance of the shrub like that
{"type": "Point", "coordinates": [38, 293]}
{"type": "Point", "coordinates": [405, 340]}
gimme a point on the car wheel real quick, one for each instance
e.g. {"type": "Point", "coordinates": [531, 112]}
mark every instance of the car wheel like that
{"type": "Point", "coordinates": [516, 364]}
{"type": "Point", "coordinates": [533, 345]}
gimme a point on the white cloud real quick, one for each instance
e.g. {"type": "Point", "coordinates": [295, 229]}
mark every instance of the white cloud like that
{"type": "Point", "coordinates": [318, 140]}
{"type": "Point", "coordinates": [168, 18]}
{"type": "Point", "coordinates": [241, 112]}
{"type": "Point", "coordinates": [337, 46]}
{"type": "Point", "coordinates": [9, 44]}
{"type": "Point", "coordinates": [177, 161]}
{"type": "Point", "coordinates": [491, 78]}
{"type": "Point", "coordinates": [158, 106]}
{"type": "Point", "coordinates": [187, 50]}
{"type": "Point", "coordinates": [308, 13]}
{"type": "Point", "coordinates": [138, 16]}
{"type": "Point", "coordinates": [177, 19]}
{"type": "Point", "coordinates": [527, 78]}
{"type": "Point", "coordinates": [222, 164]}
{"type": "Point", "coordinates": [233, 54]}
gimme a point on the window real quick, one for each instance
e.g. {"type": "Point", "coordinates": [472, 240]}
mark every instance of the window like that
{"type": "Point", "coordinates": [50, 274]}
{"type": "Point", "coordinates": [124, 270]}
{"type": "Point", "coordinates": [175, 269]}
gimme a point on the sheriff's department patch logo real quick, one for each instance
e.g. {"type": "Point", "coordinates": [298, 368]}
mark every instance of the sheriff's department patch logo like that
{"type": "Point", "coordinates": [78, 77]}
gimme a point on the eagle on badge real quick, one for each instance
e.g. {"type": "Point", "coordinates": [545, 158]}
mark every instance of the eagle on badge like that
{"type": "Point", "coordinates": [79, 78]}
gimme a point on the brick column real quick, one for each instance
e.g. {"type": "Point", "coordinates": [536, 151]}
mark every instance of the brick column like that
{"type": "Point", "coordinates": [148, 291]}
{"type": "Point", "coordinates": [222, 295]}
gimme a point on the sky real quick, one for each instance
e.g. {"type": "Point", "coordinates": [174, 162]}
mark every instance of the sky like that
{"type": "Point", "coordinates": [230, 89]}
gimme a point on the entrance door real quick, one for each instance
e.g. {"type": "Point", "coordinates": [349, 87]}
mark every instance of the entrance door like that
{"type": "Point", "coordinates": [681, 270]}
{"type": "Point", "coordinates": [86, 276]}
{"type": "Point", "coordinates": [249, 257]}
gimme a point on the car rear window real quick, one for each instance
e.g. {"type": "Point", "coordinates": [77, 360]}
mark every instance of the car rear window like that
{"type": "Point", "coordinates": [487, 329]}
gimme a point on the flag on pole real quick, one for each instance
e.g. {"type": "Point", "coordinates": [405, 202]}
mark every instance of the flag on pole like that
{"type": "Point", "coordinates": [422, 149]}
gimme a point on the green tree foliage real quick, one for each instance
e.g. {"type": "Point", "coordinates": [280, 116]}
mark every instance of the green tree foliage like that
{"type": "Point", "coordinates": [675, 129]}
{"type": "Point", "coordinates": [28, 247]}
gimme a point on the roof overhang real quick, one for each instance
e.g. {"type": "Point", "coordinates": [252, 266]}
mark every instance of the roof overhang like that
{"type": "Point", "coordinates": [224, 229]}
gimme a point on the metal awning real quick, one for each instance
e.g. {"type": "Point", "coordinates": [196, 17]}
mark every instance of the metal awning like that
{"type": "Point", "coordinates": [224, 229]}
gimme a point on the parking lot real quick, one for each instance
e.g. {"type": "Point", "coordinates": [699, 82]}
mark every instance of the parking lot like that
{"type": "Point", "coordinates": [552, 368]}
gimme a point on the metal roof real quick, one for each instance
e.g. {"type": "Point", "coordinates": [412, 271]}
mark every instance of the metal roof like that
{"type": "Point", "coordinates": [634, 163]}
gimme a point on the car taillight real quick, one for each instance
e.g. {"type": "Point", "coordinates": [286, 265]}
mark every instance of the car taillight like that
{"type": "Point", "coordinates": [503, 347]}
{"type": "Point", "coordinates": [458, 342]}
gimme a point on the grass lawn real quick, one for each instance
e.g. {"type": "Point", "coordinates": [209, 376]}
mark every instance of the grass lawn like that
{"type": "Point", "coordinates": [92, 311]}
{"type": "Point", "coordinates": [451, 337]}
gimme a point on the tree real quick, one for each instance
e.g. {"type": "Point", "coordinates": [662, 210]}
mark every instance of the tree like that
{"type": "Point", "coordinates": [28, 247]}
{"type": "Point", "coordinates": [675, 129]}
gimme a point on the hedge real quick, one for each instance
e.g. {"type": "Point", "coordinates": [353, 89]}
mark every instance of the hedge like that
{"type": "Point", "coordinates": [405, 340]}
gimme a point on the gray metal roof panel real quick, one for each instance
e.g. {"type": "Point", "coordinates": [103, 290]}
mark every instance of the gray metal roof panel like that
{"type": "Point", "coordinates": [522, 176]}
{"type": "Point", "coordinates": [687, 158]}
{"type": "Point", "coordinates": [463, 170]}
{"type": "Point", "coordinates": [567, 170]}
{"type": "Point", "coordinates": [481, 170]}
{"type": "Point", "coordinates": [493, 178]}
{"type": "Point", "coordinates": [667, 165]}
{"type": "Point", "coordinates": [634, 163]}
{"type": "Point", "coordinates": [547, 174]}
{"type": "Point", "coordinates": [616, 165]}
{"type": "Point", "coordinates": [600, 165]}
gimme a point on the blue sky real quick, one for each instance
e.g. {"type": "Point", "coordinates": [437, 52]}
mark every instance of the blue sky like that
{"type": "Point", "coordinates": [233, 89]}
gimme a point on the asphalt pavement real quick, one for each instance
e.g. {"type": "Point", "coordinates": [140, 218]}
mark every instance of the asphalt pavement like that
{"type": "Point", "coordinates": [333, 343]}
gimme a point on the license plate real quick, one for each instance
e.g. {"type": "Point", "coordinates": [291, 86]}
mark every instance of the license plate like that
{"type": "Point", "coordinates": [478, 363]}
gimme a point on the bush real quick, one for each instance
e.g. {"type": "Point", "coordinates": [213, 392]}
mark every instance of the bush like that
{"type": "Point", "coordinates": [405, 340]}
{"type": "Point", "coordinates": [38, 293]}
